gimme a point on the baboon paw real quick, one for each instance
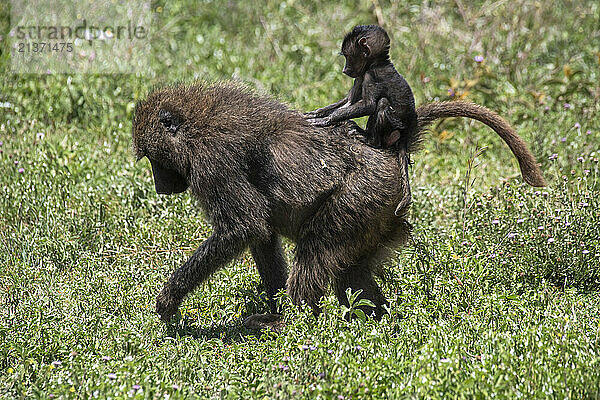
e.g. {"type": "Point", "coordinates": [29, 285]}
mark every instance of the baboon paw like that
{"type": "Point", "coordinates": [264, 321]}
{"type": "Point", "coordinates": [166, 306]}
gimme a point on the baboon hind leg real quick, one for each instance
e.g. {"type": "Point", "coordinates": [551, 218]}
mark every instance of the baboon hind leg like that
{"type": "Point", "coordinates": [272, 267]}
{"type": "Point", "coordinates": [311, 272]}
{"type": "Point", "coordinates": [359, 277]}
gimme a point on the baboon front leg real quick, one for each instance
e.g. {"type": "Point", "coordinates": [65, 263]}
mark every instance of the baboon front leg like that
{"type": "Point", "coordinates": [360, 277]}
{"type": "Point", "coordinates": [272, 267]}
{"type": "Point", "coordinates": [214, 253]}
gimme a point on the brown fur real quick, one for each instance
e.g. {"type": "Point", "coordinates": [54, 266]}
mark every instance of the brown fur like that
{"type": "Point", "coordinates": [261, 171]}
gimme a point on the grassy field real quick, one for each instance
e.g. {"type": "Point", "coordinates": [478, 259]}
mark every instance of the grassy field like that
{"type": "Point", "coordinates": [497, 295]}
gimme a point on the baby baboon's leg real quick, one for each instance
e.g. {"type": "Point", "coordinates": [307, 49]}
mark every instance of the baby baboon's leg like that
{"type": "Point", "coordinates": [360, 277]}
{"type": "Point", "coordinates": [272, 266]}
{"type": "Point", "coordinates": [379, 125]}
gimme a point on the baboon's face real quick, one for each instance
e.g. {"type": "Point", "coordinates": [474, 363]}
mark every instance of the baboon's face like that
{"type": "Point", "coordinates": [157, 135]}
{"type": "Point", "coordinates": [167, 181]}
{"type": "Point", "coordinates": [357, 52]}
{"type": "Point", "coordinates": [356, 61]}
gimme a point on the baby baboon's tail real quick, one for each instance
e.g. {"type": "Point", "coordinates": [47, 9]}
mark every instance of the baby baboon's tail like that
{"type": "Point", "coordinates": [404, 161]}
{"type": "Point", "coordinates": [529, 167]}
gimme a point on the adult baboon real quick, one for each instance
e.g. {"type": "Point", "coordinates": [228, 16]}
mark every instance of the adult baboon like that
{"type": "Point", "coordinates": [261, 171]}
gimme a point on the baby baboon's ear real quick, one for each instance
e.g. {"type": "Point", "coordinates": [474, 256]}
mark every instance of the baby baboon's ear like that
{"type": "Point", "coordinates": [170, 119]}
{"type": "Point", "coordinates": [366, 49]}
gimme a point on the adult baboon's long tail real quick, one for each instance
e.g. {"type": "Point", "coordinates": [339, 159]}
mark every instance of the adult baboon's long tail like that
{"type": "Point", "coordinates": [529, 168]}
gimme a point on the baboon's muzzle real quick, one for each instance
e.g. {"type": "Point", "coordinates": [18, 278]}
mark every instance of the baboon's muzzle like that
{"type": "Point", "coordinates": [167, 181]}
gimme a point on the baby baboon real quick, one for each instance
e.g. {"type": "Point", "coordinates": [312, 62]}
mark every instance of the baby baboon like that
{"type": "Point", "coordinates": [261, 171]}
{"type": "Point", "coordinates": [380, 92]}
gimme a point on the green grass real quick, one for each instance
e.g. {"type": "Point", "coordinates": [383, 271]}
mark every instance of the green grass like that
{"type": "Point", "coordinates": [496, 296]}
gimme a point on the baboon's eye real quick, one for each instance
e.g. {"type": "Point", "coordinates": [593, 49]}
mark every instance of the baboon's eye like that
{"type": "Point", "coordinates": [170, 120]}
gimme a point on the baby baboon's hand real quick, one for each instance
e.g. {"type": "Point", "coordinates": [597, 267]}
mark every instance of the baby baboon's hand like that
{"type": "Point", "coordinates": [320, 121]}
{"type": "Point", "coordinates": [166, 305]}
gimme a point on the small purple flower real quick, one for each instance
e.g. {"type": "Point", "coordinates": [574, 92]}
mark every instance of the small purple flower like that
{"type": "Point", "coordinates": [340, 397]}
{"type": "Point", "coordinates": [540, 228]}
{"type": "Point", "coordinates": [136, 387]}
{"type": "Point", "coordinates": [105, 358]}
{"type": "Point", "coordinates": [1, 143]}
{"type": "Point", "coordinates": [585, 251]}
{"type": "Point", "coordinates": [566, 106]}
{"type": "Point", "coordinates": [520, 221]}
{"type": "Point", "coordinates": [21, 170]}
{"type": "Point", "coordinates": [553, 156]}
{"type": "Point", "coordinates": [312, 348]}
{"type": "Point", "coordinates": [451, 92]}
{"type": "Point", "coordinates": [577, 125]}
{"type": "Point", "coordinates": [51, 395]}
{"type": "Point", "coordinates": [550, 240]}
{"type": "Point", "coordinates": [321, 375]}
{"type": "Point", "coordinates": [286, 359]}
{"type": "Point", "coordinates": [537, 193]}
{"type": "Point", "coordinates": [588, 132]}
{"type": "Point", "coordinates": [16, 162]}
{"type": "Point", "coordinates": [511, 235]}
{"type": "Point", "coordinates": [305, 347]}
{"type": "Point", "coordinates": [40, 135]}
{"type": "Point", "coordinates": [586, 171]}
{"type": "Point", "coordinates": [329, 351]}
{"type": "Point", "coordinates": [56, 363]}
{"type": "Point", "coordinates": [496, 221]}
{"type": "Point", "coordinates": [546, 108]}
{"type": "Point", "coordinates": [564, 139]}
{"type": "Point", "coordinates": [358, 348]}
{"type": "Point", "coordinates": [580, 159]}
{"type": "Point", "coordinates": [478, 59]}
{"type": "Point", "coordinates": [112, 376]}
{"type": "Point", "coordinates": [584, 204]}
{"type": "Point", "coordinates": [465, 243]}
{"type": "Point", "coordinates": [175, 387]}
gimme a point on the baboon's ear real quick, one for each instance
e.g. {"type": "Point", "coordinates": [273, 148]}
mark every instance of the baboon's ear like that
{"type": "Point", "coordinates": [170, 119]}
{"type": "Point", "coordinates": [362, 42]}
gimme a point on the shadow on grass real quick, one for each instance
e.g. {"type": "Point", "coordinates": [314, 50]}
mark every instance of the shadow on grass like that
{"type": "Point", "coordinates": [228, 333]}
{"type": "Point", "coordinates": [586, 284]}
